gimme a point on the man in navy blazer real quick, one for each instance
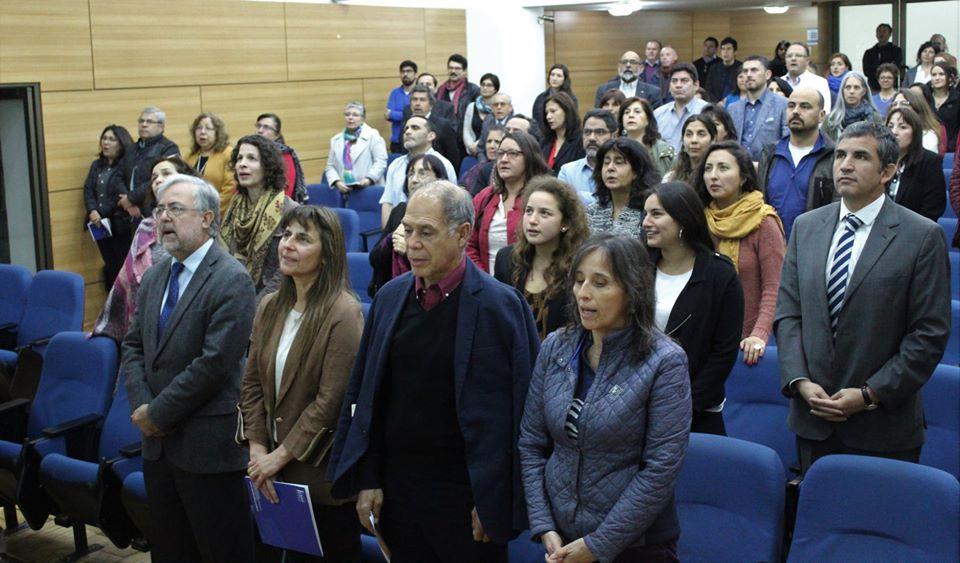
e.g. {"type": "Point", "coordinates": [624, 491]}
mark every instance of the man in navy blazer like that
{"type": "Point", "coordinates": [761, 117]}
{"type": "Point", "coordinates": [427, 436]}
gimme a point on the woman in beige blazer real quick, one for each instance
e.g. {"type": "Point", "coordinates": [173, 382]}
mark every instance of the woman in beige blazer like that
{"type": "Point", "coordinates": [305, 337]}
{"type": "Point", "coordinates": [210, 156]}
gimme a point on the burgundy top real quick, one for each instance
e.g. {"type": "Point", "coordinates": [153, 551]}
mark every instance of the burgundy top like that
{"type": "Point", "coordinates": [430, 297]}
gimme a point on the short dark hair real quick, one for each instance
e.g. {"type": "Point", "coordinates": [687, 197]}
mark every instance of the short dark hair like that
{"type": "Point", "coordinates": [458, 58]}
{"type": "Point", "coordinates": [685, 67]}
{"type": "Point", "coordinates": [806, 48]}
{"type": "Point", "coordinates": [409, 64]}
{"type": "Point", "coordinates": [431, 161]}
{"type": "Point", "coordinates": [729, 41]}
{"type": "Point", "coordinates": [721, 116]}
{"type": "Point", "coordinates": [682, 204]}
{"type": "Point", "coordinates": [646, 175]}
{"type": "Point", "coordinates": [606, 115]}
{"type": "Point", "coordinates": [747, 172]}
{"type": "Point", "coordinates": [571, 119]}
{"type": "Point", "coordinates": [716, 43]}
{"type": "Point", "coordinates": [888, 149]}
{"type": "Point", "coordinates": [886, 25]}
{"type": "Point", "coordinates": [274, 170]}
{"type": "Point", "coordinates": [651, 132]}
{"type": "Point", "coordinates": [888, 67]}
{"type": "Point", "coordinates": [759, 58]}
{"type": "Point", "coordinates": [492, 78]}
{"type": "Point", "coordinates": [420, 88]}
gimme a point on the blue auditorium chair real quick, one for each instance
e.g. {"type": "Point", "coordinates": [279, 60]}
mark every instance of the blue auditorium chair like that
{"type": "Point", "coordinates": [954, 275]}
{"type": "Point", "coordinates": [948, 212]}
{"type": "Point", "coordinates": [133, 495]}
{"type": "Point", "coordinates": [350, 223]}
{"type": "Point", "coordinates": [466, 164]}
{"type": "Point", "coordinates": [14, 283]}
{"type": "Point", "coordinates": [365, 307]}
{"type": "Point", "coordinates": [78, 378]}
{"type": "Point", "coordinates": [54, 304]}
{"type": "Point", "coordinates": [730, 501]}
{"type": "Point", "coordinates": [360, 273]}
{"type": "Point", "coordinates": [366, 202]}
{"type": "Point", "coordinates": [951, 356]}
{"type": "Point", "coordinates": [87, 491]}
{"type": "Point", "coordinates": [756, 410]}
{"type": "Point", "coordinates": [393, 156]}
{"type": "Point", "coordinates": [861, 508]}
{"type": "Point", "coordinates": [949, 226]}
{"type": "Point", "coordinates": [321, 195]}
{"type": "Point", "coordinates": [948, 160]}
{"type": "Point", "coordinates": [522, 550]}
{"type": "Point", "coordinates": [941, 396]}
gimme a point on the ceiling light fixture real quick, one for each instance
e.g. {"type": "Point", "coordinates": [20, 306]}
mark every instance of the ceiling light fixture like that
{"type": "Point", "coordinates": [624, 8]}
{"type": "Point", "coordinates": [776, 9]}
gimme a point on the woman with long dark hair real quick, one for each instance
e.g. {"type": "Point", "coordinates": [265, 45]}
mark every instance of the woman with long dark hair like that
{"type": "Point", "coordinates": [699, 297]}
{"type": "Point", "coordinates": [305, 337]}
{"type": "Point", "coordinates": [919, 185]}
{"type": "Point", "coordinates": [778, 64]}
{"type": "Point", "coordinates": [251, 227]}
{"type": "Point", "coordinates": [561, 127]}
{"type": "Point", "coordinates": [934, 133]}
{"type": "Point", "coordinates": [944, 99]}
{"type": "Point", "coordinates": [551, 231]}
{"type": "Point", "coordinates": [558, 80]}
{"type": "Point", "coordinates": [698, 133]}
{"type": "Point", "coordinates": [102, 202]}
{"type": "Point", "coordinates": [637, 122]}
{"type": "Point", "coordinates": [622, 178]}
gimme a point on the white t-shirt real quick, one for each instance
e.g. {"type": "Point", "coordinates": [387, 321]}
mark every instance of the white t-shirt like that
{"type": "Point", "coordinates": [497, 237]}
{"type": "Point", "coordinates": [931, 140]}
{"type": "Point", "coordinates": [290, 328]}
{"type": "Point", "coordinates": [797, 153]}
{"type": "Point", "coordinates": [668, 289]}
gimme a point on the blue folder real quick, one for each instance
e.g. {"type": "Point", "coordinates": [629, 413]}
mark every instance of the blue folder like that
{"type": "Point", "coordinates": [288, 524]}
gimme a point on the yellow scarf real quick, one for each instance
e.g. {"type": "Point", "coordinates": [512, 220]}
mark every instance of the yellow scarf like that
{"type": "Point", "coordinates": [737, 221]}
{"type": "Point", "coordinates": [248, 228]}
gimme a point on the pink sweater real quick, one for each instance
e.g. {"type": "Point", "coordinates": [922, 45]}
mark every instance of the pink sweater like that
{"type": "Point", "coordinates": [761, 257]}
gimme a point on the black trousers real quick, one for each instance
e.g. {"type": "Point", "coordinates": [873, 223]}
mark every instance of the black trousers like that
{"type": "Point", "coordinates": [809, 451]}
{"type": "Point", "coordinates": [339, 530]}
{"type": "Point", "coordinates": [114, 250]}
{"type": "Point", "coordinates": [706, 422]}
{"type": "Point", "coordinates": [197, 517]}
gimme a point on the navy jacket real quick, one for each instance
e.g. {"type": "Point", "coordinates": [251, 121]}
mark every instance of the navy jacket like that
{"type": "Point", "coordinates": [497, 345]}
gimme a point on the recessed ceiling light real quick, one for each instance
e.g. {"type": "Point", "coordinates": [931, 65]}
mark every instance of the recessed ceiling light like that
{"type": "Point", "coordinates": [776, 9]}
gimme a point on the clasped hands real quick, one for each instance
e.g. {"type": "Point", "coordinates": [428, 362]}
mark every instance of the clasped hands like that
{"type": "Point", "coordinates": [574, 552]}
{"type": "Point", "coordinates": [141, 419]}
{"type": "Point", "coordinates": [263, 466]}
{"type": "Point", "coordinates": [833, 408]}
{"type": "Point", "coordinates": [370, 501]}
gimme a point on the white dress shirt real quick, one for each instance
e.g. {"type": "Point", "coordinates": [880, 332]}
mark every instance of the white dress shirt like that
{"type": "Point", "coordinates": [397, 175]}
{"type": "Point", "coordinates": [868, 215]}
{"type": "Point", "coordinates": [190, 266]}
{"type": "Point", "coordinates": [808, 79]}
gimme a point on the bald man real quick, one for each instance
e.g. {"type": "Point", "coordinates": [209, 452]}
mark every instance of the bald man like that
{"type": "Point", "coordinates": [628, 81]}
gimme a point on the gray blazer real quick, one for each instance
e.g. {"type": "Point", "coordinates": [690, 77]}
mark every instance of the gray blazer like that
{"type": "Point", "coordinates": [893, 326]}
{"type": "Point", "coordinates": [646, 91]}
{"type": "Point", "coordinates": [191, 378]}
{"type": "Point", "coordinates": [771, 122]}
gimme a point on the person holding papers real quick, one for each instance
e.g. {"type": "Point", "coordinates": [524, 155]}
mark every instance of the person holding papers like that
{"type": "Point", "coordinates": [305, 337]}
{"type": "Point", "coordinates": [101, 201]}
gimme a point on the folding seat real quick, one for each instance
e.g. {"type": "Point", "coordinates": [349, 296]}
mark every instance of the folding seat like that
{"type": "Point", "coordinates": [322, 195]}
{"type": "Point", "coordinates": [466, 164]}
{"type": "Point", "coordinates": [366, 202]}
{"type": "Point", "coordinates": [941, 395]}
{"type": "Point", "coordinates": [860, 508]}
{"type": "Point", "coordinates": [78, 378]}
{"type": "Point", "coordinates": [361, 272]}
{"type": "Point", "coordinates": [756, 410]}
{"type": "Point", "coordinates": [350, 223]}
{"type": "Point", "coordinates": [949, 226]}
{"type": "Point", "coordinates": [14, 283]}
{"type": "Point", "coordinates": [87, 491]}
{"type": "Point", "coordinates": [730, 499]}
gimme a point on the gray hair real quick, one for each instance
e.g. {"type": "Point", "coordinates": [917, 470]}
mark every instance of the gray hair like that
{"type": "Point", "coordinates": [157, 112]}
{"type": "Point", "coordinates": [454, 200]}
{"type": "Point", "coordinates": [888, 149]}
{"type": "Point", "coordinates": [357, 106]}
{"type": "Point", "coordinates": [205, 197]}
{"type": "Point", "coordinates": [834, 120]}
{"type": "Point", "coordinates": [507, 97]}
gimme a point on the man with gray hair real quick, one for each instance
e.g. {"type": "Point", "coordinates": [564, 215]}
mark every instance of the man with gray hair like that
{"type": "Point", "coordinates": [501, 106]}
{"type": "Point", "coordinates": [427, 436]}
{"type": "Point", "coordinates": [134, 180]}
{"type": "Point", "coordinates": [183, 360]}
{"type": "Point", "coordinates": [863, 313]}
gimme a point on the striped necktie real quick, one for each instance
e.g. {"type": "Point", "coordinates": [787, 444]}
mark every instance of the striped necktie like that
{"type": "Point", "coordinates": [840, 269]}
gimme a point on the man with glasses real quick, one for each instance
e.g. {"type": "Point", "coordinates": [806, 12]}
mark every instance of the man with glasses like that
{"type": "Point", "coordinates": [398, 101]}
{"type": "Point", "coordinates": [670, 117]}
{"type": "Point", "coordinates": [502, 110]}
{"type": "Point", "coordinates": [798, 71]}
{"type": "Point", "coordinates": [457, 90]}
{"type": "Point", "coordinates": [135, 166]}
{"type": "Point", "coordinates": [183, 359]}
{"type": "Point", "coordinates": [628, 81]}
{"type": "Point", "coordinates": [599, 126]}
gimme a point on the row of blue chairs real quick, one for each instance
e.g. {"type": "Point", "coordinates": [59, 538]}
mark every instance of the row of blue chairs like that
{"type": "Point", "coordinates": [948, 212]}
{"type": "Point", "coordinates": [362, 227]}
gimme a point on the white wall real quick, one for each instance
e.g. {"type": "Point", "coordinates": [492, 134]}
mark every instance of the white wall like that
{"type": "Point", "coordinates": [926, 18]}
{"type": "Point", "coordinates": [507, 40]}
{"type": "Point", "coordinates": [16, 183]}
{"type": "Point", "coordinates": [858, 31]}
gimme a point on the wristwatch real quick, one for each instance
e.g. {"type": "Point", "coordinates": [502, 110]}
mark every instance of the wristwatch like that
{"type": "Point", "coordinates": [868, 404]}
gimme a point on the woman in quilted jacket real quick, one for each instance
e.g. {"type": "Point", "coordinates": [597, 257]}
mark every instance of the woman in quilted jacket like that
{"type": "Point", "coordinates": [607, 417]}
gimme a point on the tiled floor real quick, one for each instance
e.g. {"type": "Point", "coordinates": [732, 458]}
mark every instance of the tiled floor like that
{"type": "Point", "coordinates": [53, 542]}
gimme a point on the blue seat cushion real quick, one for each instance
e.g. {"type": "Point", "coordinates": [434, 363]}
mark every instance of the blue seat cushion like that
{"type": "Point", "coordinates": [56, 468]}
{"type": "Point", "coordinates": [8, 358]}
{"type": "Point", "coordinates": [134, 486]}
{"type": "Point", "coordinates": [9, 455]}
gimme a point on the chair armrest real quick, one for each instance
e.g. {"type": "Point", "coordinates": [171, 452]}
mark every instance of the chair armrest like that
{"type": "Point", "coordinates": [71, 426]}
{"type": "Point", "coordinates": [365, 235]}
{"type": "Point", "coordinates": [131, 450]}
{"type": "Point", "coordinates": [36, 343]}
{"type": "Point", "coordinates": [8, 326]}
{"type": "Point", "coordinates": [14, 405]}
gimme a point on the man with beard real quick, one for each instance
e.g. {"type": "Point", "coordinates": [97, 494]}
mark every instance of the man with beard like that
{"type": "Point", "coordinates": [440, 107]}
{"type": "Point", "coordinates": [421, 104]}
{"type": "Point", "coordinates": [796, 173]}
{"type": "Point", "coordinates": [760, 118]}
{"type": "Point", "coordinates": [599, 126]}
{"type": "Point", "coordinates": [628, 82]}
{"type": "Point", "coordinates": [398, 101]}
{"type": "Point", "coordinates": [457, 90]}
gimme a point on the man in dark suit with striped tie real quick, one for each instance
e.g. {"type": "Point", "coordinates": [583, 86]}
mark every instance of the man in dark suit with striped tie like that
{"type": "Point", "coordinates": [863, 313]}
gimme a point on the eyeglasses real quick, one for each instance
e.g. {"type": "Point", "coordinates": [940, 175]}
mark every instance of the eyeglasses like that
{"type": "Point", "coordinates": [174, 210]}
{"type": "Point", "coordinates": [142, 121]}
{"type": "Point", "coordinates": [259, 126]}
{"type": "Point", "coordinates": [595, 132]}
{"type": "Point", "coordinates": [508, 154]}
{"type": "Point", "coordinates": [202, 128]}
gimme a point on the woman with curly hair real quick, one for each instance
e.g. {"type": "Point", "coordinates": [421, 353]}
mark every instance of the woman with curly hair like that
{"type": "Point", "coordinates": [251, 227]}
{"type": "Point", "coordinates": [210, 156]}
{"type": "Point", "coordinates": [623, 176]}
{"type": "Point", "coordinates": [637, 123]}
{"type": "Point", "coordinates": [551, 231]}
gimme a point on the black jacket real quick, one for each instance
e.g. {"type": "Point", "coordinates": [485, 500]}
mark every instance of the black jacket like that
{"type": "Point", "coordinates": [557, 308]}
{"type": "Point", "coordinates": [570, 150]}
{"type": "Point", "coordinates": [442, 108]}
{"type": "Point", "coordinates": [722, 80]}
{"type": "Point", "coordinates": [707, 320]}
{"type": "Point", "coordinates": [446, 141]}
{"type": "Point", "coordinates": [102, 197]}
{"type": "Point", "coordinates": [877, 55]}
{"type": "Point", "coordinates": [135, 179]}
{"type": "Point", "coordinates": [949, 115]}
{"type": "Point", "coordinates": [922, 186]}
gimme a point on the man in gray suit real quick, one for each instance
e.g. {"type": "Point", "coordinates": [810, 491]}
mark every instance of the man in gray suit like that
{"type": "Point", "coordinates": [628, 81]}
{"type": "Point", "coordinates": [183, 362]}
{"type": "Point", "coordinates": [761, 117]}
{"type": "Point", "coordinates": [863, 313]}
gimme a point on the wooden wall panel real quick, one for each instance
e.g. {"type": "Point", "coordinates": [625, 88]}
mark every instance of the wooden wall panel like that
{"type": "Point", "coordinates": [94, 297]}
{"type": "Point", "coordinates": [313, 169]}
{"type": "Point", "coordinates": [585, 84]}
{"type": "Point", "coordinates": [758, 32]}
{"type": "Point", "coordinates": [312, 112]}
{"type": "Point", "coordinates": [376, 91]}
{"type": "Point", "coordinates": [595, 40]}
{"type": "Point", "coordinates": [73, 122]}
{"type": "Point", "coordinates": [707, 24]}
{"type": "Point", "coordinates": [74, 250]}
{"type": "Point", "coordinates": [337, 41]}
{"type": "Point", "coordinates": [198, 43]}
{"type": "Point", "coordinates": [445, 33]}
{"type": "Point", "coordinates": [46, 41]}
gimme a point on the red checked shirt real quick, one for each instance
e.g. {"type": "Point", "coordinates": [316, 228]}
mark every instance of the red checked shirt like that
{"type": "Point", "coordinates": [430, 297]}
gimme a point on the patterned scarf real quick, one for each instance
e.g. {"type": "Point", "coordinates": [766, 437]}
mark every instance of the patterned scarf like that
{"type": "Point", "coordinates": [457, 91]}
{"type": "Point", "coordinates": [737, 221]}
{"type": "Point", "coordinates": [482, 106]}
{"type": "Point", "coordinates": [248, 228]}
{"type": "Point", "coordinates": [856, 114]}
{"type": "Point", "coordinates": [349, 138]}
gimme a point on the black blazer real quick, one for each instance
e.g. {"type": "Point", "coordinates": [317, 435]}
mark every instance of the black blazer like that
{"type": "Point", "coordinates": [922, 187]}
{"type": "Point", "coordinates": [570, 150]}
{"type": "Point", "coordinates": [707, 320]}
{"type": "Point", "coordinates": [949, 115]}
{"type": "Point", "coordinates": [557, 308]}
